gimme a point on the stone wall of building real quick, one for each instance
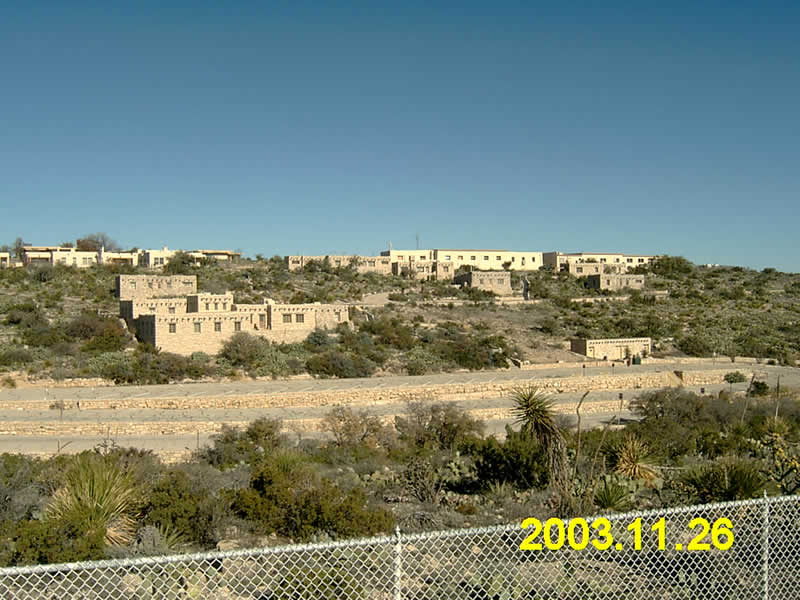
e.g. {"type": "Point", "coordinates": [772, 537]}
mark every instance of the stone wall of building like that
{"type": "Point", "coordinates": [612, 349]}
{"type": "Point", "coordinates": [207, 331]}
{"type": "Point", "coordinates": [133, 309]}
{"type": "Point", "coordinates": [198, 303]}
{"type": "Point", "coordinates": [615, 282]}
{"type": "Point", "coordinates": [363, 264]}
{"type": "Point", "coordinates": [497, 282]}
{"type": "Point", "coordinates": [140, 287]}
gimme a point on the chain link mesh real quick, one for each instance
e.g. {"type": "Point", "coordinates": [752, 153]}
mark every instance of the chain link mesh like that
{"type": "Point", "coordinates": [763, 562]}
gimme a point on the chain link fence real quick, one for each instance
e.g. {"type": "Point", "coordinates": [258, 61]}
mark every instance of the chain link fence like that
{"type": "Point", "coordinates": [754, 554]}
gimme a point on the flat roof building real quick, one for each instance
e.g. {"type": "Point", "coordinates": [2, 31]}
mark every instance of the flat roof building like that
{"type": "Point", "coordinates": [611, 349]}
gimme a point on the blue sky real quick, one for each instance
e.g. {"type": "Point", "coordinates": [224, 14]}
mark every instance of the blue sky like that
{"type": "Point", "coordinates": [316, 127]}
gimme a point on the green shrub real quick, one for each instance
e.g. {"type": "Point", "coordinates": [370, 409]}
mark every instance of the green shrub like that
{"type": "Point", "coordinates": [176, 504]}
{"type": "Point", "coordinates": [291, 499]}
{"type": "Point", "coordinates": [333, 363]}
{"type": "Point", "coordinates": [439, 425]}
{"type": "Point", "coordinates": [420, 360]}
{"type": "Point", "coordinates": [15, 355]}
{"type": "Point", "coordinates": [519, 460]}
{"type": "Point", "coordinates": [256, 355]}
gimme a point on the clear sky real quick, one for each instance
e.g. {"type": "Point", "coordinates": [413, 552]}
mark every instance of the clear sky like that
{"type": "Point", "coordinates": [336, 127]}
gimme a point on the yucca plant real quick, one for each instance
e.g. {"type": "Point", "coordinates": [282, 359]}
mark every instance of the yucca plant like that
{"type": "Point", "coordinates": [633, 460]}
{"type": "Point", "coordinates": [98, 494]}
{"type": "Point", "coordinates": [534, 412]}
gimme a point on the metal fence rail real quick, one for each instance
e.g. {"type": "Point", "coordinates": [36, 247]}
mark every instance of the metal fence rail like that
{"type": "Point", "coordinates": [762, 562]}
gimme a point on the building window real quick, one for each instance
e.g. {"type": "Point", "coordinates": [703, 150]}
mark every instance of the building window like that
{"type": "Point", "coordinates": [172, 327]}
{"type": "Point", "coordinates": [422, 258]}
{"type": "Point", "coordinates": [513, 258]}
{"type": "Point", "coordinates": [133, 284]}
{"type": "Point", "coordinates": [217, 326]}
{"type": "Point", "coordinates": [485, 258]}
{"type": "Point", "coordinates": [208, 306]}
{"type": "Point", "coordinates": [198, 327]}
{"type": "Point", "coordinates": [287, 318]}
{"type": "Point", "coordinates": [216, 305]}
{"type": "Point", "coordinates": [171, 310]}
{"type": "Point", "coordinates": [300, 318]}
{"type": "Point", "coordinates": [460, 258]}
{"type": "Point", "coordinates": [641, 260]}
{"type": "Point", "coordinates": [224, 306]}
{"type": "Point", "coordinates": [445, 269]}
{"type": "Point", "coordinates": [579, 269]}
{"type": "Point", "coordinates": [616, 260]}
{"type": "Point", "coordinates": [630, 260]}
{"type": "Point", "coordinates": [602, 260]}
{"type": "Point", "coordinates": [150, 284]}
{"type": "Point", "coordinates": [370, 263]}
{"type": "Point", "coordinates": [498, 258]}
{"type": "Point", "coordinates": [399, 257]}
{"type": "Point", "coordinates": [472, 258]}
{"type": "Point", "coordinates": [237, 325]}
{"type": "Point", "coordinates": [169, 284]}
{"type": "Point", "coordinates": [262, 320]}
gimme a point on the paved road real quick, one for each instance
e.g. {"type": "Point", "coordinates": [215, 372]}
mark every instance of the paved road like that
{"type": "Point", "coordinates": [789, 377]}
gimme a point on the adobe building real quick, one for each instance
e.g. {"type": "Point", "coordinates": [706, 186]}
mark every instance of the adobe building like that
{"type": "Point", "coordinates": [106, 257]}
{"type": "Point", "coordinates": [487, 260]}
{"type": "Point", "coordinates": [169, 313]}
{"type": "Point", "coordinates": [615, 282]}
{"type": "Point", "coordinates": [611, 349]}
{"type": "Point", "coordinates": [497, 282]}
{"type": "Point", "coordinates": [141, 287]}
{"type": "Point", "coordinates": [363, 264]}
{"type": "Point", "coordinates": [560, 262]}
{"type": "Point", "coordinates": [58, 255]}
{"type": "Point", "coordinates": [424, 269]}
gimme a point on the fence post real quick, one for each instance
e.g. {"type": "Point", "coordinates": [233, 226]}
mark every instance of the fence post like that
{"type": "Point", "coordinates": [398, 565]}
{"type": "Point", "coordinates": [765, 552]}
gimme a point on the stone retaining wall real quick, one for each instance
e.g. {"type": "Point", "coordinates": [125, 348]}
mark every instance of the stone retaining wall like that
{"type": "Point", "coordinates": [166, 428]}
{"type": "Point", "coordinates": [374, 396]}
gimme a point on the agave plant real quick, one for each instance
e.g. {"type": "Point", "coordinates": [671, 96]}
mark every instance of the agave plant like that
{"type": "Point", "coordinates": [98, 494]}
{"type": "Point", "coordinates": [633, 459]}
{"type": "Point", "coordinates": [613, 494]}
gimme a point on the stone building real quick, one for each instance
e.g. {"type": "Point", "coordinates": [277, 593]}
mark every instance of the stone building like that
{"type": "Point", "coordinates": [363, 264]}
{"type": "Point", "coordinates": [169, 313]}
{"type": "Point", "coordinates": [207, 331]}
{"type": "Point", "coordinates": [141, 287]}
{"type": "Point", "coordinates": [424, 269]}
{"type": "Point", "coordinates": [559, 262]}
{"type": "Point", "coordinates": [611, 349]}
{"type": "Point", "coordinates": [5, 260]}
{"type": "Point", "coordinates": [488, 260]}
{"type": "Point", "coordinates": [497, 282]}
{"type": "Point", "coordinates": [614, 281]}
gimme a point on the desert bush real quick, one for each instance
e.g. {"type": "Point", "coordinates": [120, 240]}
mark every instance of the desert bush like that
{"type": "Point", "coordinates": [288, 497]}
{"type": "Point", "coordinates": [15, 355]}
{"type": "Point", "coordinates": [231, 446]}
{"type": "Point", "coordinates": [437, 426]}
{"type": "Point", "coordinates": [420, 360]}
{"type": "Point", "coordinates": [333, 363]}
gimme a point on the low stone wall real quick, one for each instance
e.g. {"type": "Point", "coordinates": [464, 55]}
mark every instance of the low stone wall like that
{"type": "Point", "coordinates": [167, 428]}
{"type": "Point", "coordinates": [377, 396]}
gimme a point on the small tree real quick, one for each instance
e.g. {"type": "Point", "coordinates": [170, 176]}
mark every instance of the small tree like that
{"type": "Point", "coordinates": [94, 241]}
